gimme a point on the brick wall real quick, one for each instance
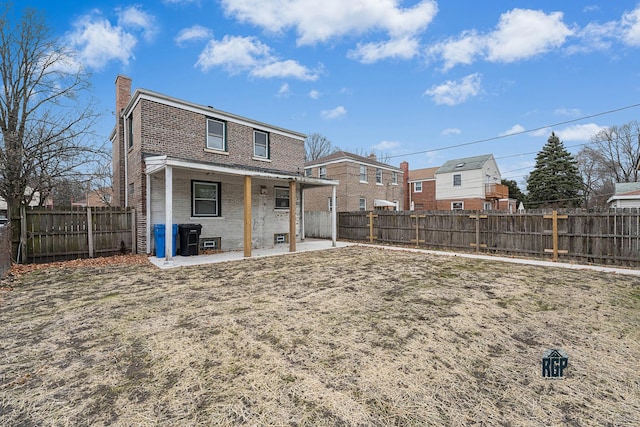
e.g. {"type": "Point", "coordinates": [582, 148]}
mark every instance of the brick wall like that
{"type": "Point", "coordinates": [426, 199]}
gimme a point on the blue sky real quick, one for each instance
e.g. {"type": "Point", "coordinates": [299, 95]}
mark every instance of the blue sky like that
{"type": "Point", "coordinates": [422, 81]}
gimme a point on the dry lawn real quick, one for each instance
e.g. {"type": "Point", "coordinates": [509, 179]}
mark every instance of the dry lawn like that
{"type": "Point", "coordinates": [352, 336]}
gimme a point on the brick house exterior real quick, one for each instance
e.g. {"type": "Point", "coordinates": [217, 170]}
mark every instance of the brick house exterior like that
{"type": "Point", "coordinates": [365, 183]}
{"type": "Point", "coordinates": [179, 162]}
{"type": "Point", "coordinates": [470, 183]}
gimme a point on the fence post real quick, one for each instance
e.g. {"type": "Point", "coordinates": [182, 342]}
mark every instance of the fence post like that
{"type": "Point", "coordinates": [22, 247]}
{"type": "Point", "coordinates": [554, 218]}
{"type": "Point", "coordinates": [90, 232]}
{"type": "Point", "coordinates": [371, 216]}
{"type": "Point", "coordinates": [417, 239]}
{"type": "Point", "coordinates": [477, 244]}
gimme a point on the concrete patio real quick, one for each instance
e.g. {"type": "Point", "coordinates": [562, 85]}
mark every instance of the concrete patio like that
{"type": "Point", "coordinates": [282, 249]}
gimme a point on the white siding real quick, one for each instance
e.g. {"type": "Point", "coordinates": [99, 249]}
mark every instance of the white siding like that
{"type": "Point", "coordinates": [472, 185]}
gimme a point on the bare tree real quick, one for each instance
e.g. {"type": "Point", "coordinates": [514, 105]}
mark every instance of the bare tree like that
{"type": "Point", "coordinates": [317, 146]}
{"type": "Point", "coordinates": [618, 149]}
{"type": "Point", "coordinates": [45, 120]}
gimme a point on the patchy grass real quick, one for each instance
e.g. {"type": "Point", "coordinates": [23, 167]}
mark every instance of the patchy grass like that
{"type": "Point", "coordinates": [352, 336]}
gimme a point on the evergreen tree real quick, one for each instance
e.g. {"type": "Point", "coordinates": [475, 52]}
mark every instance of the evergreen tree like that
{"type": "Point", "coordinates": [514, 190]}
{"type": "Point", "coordinates": [555, 181]}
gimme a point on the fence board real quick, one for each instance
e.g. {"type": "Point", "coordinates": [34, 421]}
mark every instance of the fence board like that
{"type": "Point", "coordinates": [601, 237]}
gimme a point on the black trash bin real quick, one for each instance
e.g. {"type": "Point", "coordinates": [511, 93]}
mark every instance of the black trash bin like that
{"type": "Point", "coordinates": [189, 238]}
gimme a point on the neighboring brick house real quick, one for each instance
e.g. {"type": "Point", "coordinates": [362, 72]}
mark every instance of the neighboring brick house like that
{"type": "Point", "coordinates": [470, 183]}
{"type": "Point", "coordinates": [98, 198]}
{"type": "Point", "coordinates": [365, 183]}
{"type": "Point", "coordinates": [178, 162]}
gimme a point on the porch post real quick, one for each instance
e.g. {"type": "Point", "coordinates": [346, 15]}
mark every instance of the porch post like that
{"type": "Point", "coordinates": [334, 222]}
{"type": "Point", "coordinates": [292, 216]}
{"type": "Point", "coordinates": [302, 231]}
{"type": "Point", "coordinates": [168, 214]}
{"type": "Point", "coordinates": [149, 219]}
{"type": "Point", "coordinates": [247, 216]}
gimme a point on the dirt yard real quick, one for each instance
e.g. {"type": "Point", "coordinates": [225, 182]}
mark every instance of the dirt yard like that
{"type": "Point", "coordinates": [352, 336]}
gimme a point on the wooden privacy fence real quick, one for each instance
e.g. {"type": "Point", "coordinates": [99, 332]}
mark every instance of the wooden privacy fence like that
{"type": "Point", "coordinates": [317, 224]}
{"type": "Point", "coordinates": [52, 235]}
{"type": "Point", "coordinates": [602, 237]}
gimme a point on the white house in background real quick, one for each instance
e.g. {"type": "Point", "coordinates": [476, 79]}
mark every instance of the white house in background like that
{"type": "Point", "coordinates": [627, 195]}
{"type": "Point", "coordinates": [35, 200]}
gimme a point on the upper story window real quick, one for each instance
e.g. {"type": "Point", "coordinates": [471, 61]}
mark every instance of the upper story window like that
{"type": "Point", "coordinates": [363, 173]}
{"type": "Point", "coordinates": [457, 179]}
{"type": "Point", "coordinates": [205, 198]}
{"type": "Point", "coordinates": [417, 187]}
{"type": "Point", "coordinates": [216, 135]}
{"type": "Point", "coordinates": [394, 178]}
{"type": "Point", "coordinates": [308, 172]}
{"type": "Point", "coordinates": [330, 199]}
{"type": "Point", "coordinates": [130, 129]}
{"type": "Point", "coordinates": [322, 172]}
{"type": "Point", "coordinates": [260, 144]}
{"type": "Point", "coordinates": [378, 176]}
{"type": "Point", "coordinates": [282, 198]}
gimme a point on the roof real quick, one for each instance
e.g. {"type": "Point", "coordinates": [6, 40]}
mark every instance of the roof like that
{"type": "Point", "coordinates": [464, 164]}
{"type": "Point", "coordinates": [426, 173]}
{"type": "Point", "coordinates": [627, 187]}
{"type": "Point", "coordinates": [343, 155]}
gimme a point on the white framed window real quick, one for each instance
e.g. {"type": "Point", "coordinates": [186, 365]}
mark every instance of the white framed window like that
{"type": "Point", "coordinates": [486, 206]}
{"type": "Point", "coordinates": [216, 135]}
{"type": "Point", "coordinates": [417, 187]}
{"type": "Point", "coordinates": [130, 129]}
{"type": "Point", "coordinates": [260, 144]}
{"type": "Point", "coordinates": [363, 204]}
{"type": "Point", "coordinates": [330, 203]}
{"type": "Point", "coordinates": [378, 176]}
{"type": "Point", "coordinates": [282, 198]}
{"type": "Point", "coordinates": [308, 172]}
{"type": "Point", "coordinates": [394, 178]}
{"type": "Point", "coordinates": [457, 206]}
{"type": "Point", "coordinates": [457, 180]}
{"type": "Point", "coordinates": [205, 198]}
{"type": "Point", "coordinates": [363, 173]}
{"type": "Point", "coordinates": [322, 172]}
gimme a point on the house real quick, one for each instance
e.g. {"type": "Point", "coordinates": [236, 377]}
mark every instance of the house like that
{"type": "Point", "coordinates": [35, 201]}
{"type": "Point", "coordinates": [627, 195]}
{"type": "Point", "coordinates": [470, 183]}
{"type": "Point", "coordinates": [365, 183]}
{"type": "Point", "coordinates": [235, 181]}
{"type": "Point", "coordinates": [100, 197]}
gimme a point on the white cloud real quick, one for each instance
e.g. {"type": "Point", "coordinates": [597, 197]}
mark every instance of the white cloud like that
{"type": "Point", "coordinates": [514, 130]}
{"type": "Point", "coordinates": [196, 32]}
{"type": "Point", "coordinates": [98, 42]}
{"type": "Point", "coordinates": [579, 132]}
{"type": "Point", "coordinates": [572, 112]}
{"type": "Point", "coordinates": [234, 54]}
{"type": "Point", "coordinates": [520, 34]}
{"type": "Point", "coordinates": [631, 27]}
{"type": "Point", "coordinates": [335, 113]}
{"type": "Point", "coordinates": [455, 92]}
{"type": "Point", "coordinates": [133, 17]}
{"type": "Point", "coordinates": [284, 69]}
{"type": "Point", "coordinates": [316, 21]}
{"type": "Point", "coordinates": [314, 94]}
{"type": "Point", "coordinates": [451, 131]}
{"type": "Point", "coordinates": [284, 90]}
{"type": "Point", "coordinates": [541, 132]}
{"type": "Point", "coordinates": [368, 53]}
{"type": "Point", "coordinates": [386, 145]}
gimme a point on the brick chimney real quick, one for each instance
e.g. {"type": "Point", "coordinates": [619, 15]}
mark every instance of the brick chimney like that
{"type": "Point", "coordinates": [404, 165]}
{"type": "Point", "coordinates": [123, 95]}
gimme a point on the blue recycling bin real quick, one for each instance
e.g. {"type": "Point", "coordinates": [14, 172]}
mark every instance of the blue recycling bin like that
{"type": "Point", "coordinates": [159, 236]}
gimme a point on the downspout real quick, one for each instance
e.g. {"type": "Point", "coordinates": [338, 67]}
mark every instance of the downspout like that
{"type": "Point", "coordinates": [126, 155]}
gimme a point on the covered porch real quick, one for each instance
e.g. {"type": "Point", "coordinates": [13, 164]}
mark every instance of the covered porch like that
{"type": "Point", "coordinates": [247, 206]}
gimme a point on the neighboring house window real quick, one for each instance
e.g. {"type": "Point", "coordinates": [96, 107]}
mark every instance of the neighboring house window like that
{"type": "Point", "coordinates": [205, 197]}
{"type": "Point", "coordinates": [378, 176]}
{"type": "Point", "coordinates": [330, 199]}
{"type": "Point", "coordinates": [457, 179]}
{"type": "Point", "coordinates": [486, 206]}
{"type": "Point", "coordinates": [130, 126]}
{"type": "Point", "coordinates": [131, 188]}
{"type": "Point", "coordinates": [282, 198]}
{"type": "Point", "coordinates": [308, 173]}
{"type": "Point", "coordinates": [363, 204]}
{"type": "Point", "coordinates": [417, 187]}
{"type": "Point", "coordinates": [216, 135]}
{"type": "Point", "coordinates": [260, 144]}
{"type": "Point", "coordinates": [322, 172]}
{"type": "Point", "coordinates": [363, 173]}
{"type": "Point", "coordinates": [394, 178]}
{"type": "Point", "coordinates": [457, 206]}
